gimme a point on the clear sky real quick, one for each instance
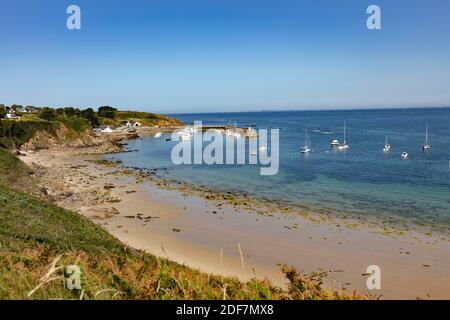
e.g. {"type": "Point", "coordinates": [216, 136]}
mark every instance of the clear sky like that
{"type": "Point", "coordinates": [173, 56]}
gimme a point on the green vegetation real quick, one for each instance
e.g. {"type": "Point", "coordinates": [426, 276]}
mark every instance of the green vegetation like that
{"type": "Point", "coordinates": [75, 123]}
{"type": "Point", "coordinates": [146, 118]}
{"type": "Point", "coordinates": [14, 173]}
{"type": "Point", "coordinates": [107, 112]}
{"type": "Point", "coordinates": [2, 111]}
{"type": "Point", "coordinates": [90, 116]}
{"type": "Point", "coordinates": [47, 114]}
{"type": "Point", "coordinates": [15, 133]}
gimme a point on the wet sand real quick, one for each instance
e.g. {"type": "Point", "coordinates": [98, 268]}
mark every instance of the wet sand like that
{"type": "Point", "coordinates": [218, 237]}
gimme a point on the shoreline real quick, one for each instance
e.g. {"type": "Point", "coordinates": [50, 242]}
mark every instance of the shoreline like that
{"type": "Point", "coordinates": [217, 236]}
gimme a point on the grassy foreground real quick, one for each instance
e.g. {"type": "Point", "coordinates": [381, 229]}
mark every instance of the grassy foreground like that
{"type": "Point", "coordinates": [39, 240]}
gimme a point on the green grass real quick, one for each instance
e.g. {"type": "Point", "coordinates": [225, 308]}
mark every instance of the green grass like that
{"type": "Point", "coordinates": [77, 124]}
{"type": "Point", "coordinates": [14, 173]}
{"type": "Point", "coordinates": [146, 118]}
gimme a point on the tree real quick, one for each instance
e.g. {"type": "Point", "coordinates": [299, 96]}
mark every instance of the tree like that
{"type": "Point", "coordinates": [2, 111]}
{"type": "Point", "coordinates": [107, 112]}
{"type": "Point", "coordinates": [16, 107]}
{"type": "Point", "coordinates": [47, 114]}
{"type": "Point", "coordinates": [70, 111]}
{"type": "Point", "coordinates": [90, 116]}
{"type": "Point", "coordinates": [60, 111]}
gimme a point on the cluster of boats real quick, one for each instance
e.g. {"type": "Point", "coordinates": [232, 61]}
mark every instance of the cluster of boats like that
{"type": "Point", "coordinates": [187, 133]}
{"type": "Point", "coordinates": [335, 144]}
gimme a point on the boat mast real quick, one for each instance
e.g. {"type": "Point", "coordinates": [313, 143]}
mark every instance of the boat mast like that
{"type": "Point", "coordinates": [426, 133]}
{"type": "Point", "coordinates": [306, 138]}
{"type": "Point", "coordinates": [345, 132]}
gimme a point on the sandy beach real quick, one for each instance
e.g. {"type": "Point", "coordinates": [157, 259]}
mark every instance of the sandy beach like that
{"type": "Point", "coordinates": [223, 234]}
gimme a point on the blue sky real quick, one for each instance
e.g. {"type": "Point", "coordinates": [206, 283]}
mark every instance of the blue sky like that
{"type": "Point", "coordinates": [174, 56]}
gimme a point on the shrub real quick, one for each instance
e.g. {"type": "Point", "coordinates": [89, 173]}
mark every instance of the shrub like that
{"type": "Point", "coordinates": [107, 112]}
{"type": "Point", "coordinates": [47, 114]}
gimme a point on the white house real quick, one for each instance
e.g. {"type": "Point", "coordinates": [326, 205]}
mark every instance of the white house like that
{"type": "Point", "coordinates": [131, 123]}
{"type": "Point", "coordinates": [10, 114]}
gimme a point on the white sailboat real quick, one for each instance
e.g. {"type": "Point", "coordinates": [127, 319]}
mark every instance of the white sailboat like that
{"type": "Point", "coordinates": [426, 146]}
{"type": "Point", "coordinates": [387, 146]}
{"type": "Point", "coordinates": [306, 148]}
{"type": "Point", "coordinates": [344, 146]}
{"type": "Point", "coordinates": [158, 134]}
{"type": "Point", "coordinates": [404, 155]}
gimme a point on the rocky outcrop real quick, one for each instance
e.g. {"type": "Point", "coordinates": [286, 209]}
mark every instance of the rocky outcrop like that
{"type": "Point", "coordinates": [41, 140]}
{"type": "Point", "coordinates": [67, 138]}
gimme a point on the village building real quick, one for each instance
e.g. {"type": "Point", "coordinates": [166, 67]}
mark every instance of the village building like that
{"type": "Point", "coordinates": [11, 114]}
{"type": "Point", "coordinates": [133, 124]}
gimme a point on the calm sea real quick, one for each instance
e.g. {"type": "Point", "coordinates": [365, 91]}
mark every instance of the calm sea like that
{"type": "Point", "coordinates": [362, 181]}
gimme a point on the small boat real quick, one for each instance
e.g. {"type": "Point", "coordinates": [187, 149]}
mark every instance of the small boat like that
{"type": "Point", "coordinates": [344, 146]}
{"type": "Point", "coordinates": [254, 153]}
{"type": "Point", "coordinates": [426, 146]}
{"type": "Point", "coordinates": [387, 146]}
{"type": "Point", "coordinates": [404, 155]}
{"type": "Point", "coordinates": [263, 148]}
{"type": "Point", "coordinates": [335, 143]}
{"type": "Point", "coordinates": [185, 136]}
{"type": "Point", "coordinates": [158, 135]}
{"type": "Point", "coordinates": [306, 148]}
{"type": "Point", "coordinates": [320, 131]}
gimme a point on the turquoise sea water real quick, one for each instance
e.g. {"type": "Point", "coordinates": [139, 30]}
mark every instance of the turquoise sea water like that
{"type": "Point", "coordinates": [363, 180]}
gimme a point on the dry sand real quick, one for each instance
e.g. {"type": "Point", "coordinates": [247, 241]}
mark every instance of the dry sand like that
{"type": "Point", "coordinates": [211, 234]}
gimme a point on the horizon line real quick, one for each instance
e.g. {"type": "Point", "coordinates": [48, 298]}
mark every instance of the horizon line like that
{"type": "Point", "coordinates": [315, 110]}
